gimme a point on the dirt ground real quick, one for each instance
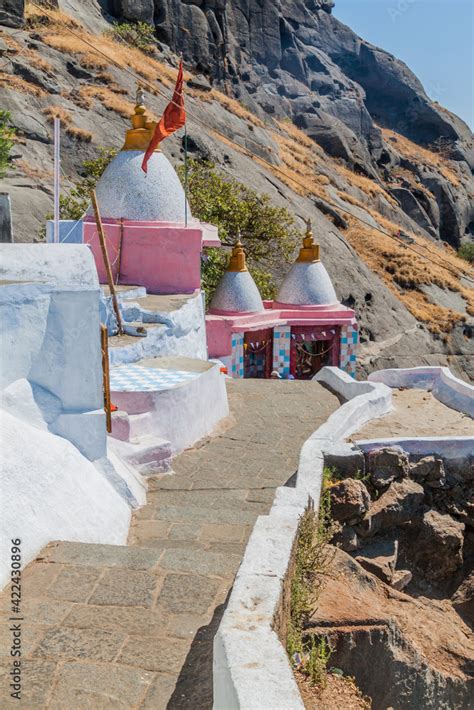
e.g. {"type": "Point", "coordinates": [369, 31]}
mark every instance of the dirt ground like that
{"type": "Point", "coordinates": [417, 413]}
{"type": "Point", "coordinates": [338, 694]}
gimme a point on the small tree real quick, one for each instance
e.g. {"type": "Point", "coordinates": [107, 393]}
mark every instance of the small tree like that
{"type": "Point", "coordinates": [466, 251]}
{"type": "Point", "coordinates": [269, 233]}
{"type": "Point", "coordinates": [7, 134]}
{"type": "Point", "coordinates": [139, 34]}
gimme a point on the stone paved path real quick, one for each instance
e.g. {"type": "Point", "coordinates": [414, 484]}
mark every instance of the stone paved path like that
{"type": "Point", "coordinates": [132, 627]}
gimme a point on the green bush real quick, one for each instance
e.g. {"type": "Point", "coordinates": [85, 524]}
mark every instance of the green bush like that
{"type": "Point", "coordinates": [7, 133]}
{"type": "Point", "coordinates": [466, 251]}
{"type": "Point", "coordinates": [268, 233]}
{"type": "Point", "coordinates": [313, 557]}
{"type": "Point", "coordinates": [140, 35]}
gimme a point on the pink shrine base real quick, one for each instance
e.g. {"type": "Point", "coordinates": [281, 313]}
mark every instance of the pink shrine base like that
{"type": "Point", "coordinates": [163, 257]}
{"type": "Point", "coordinates": [334, 323]}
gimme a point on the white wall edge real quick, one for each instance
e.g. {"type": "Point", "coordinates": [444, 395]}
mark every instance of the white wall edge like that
{"type": "Point", "coordinates": [250, 668]}
{"type": "Point", "coordinates": [447, 388]}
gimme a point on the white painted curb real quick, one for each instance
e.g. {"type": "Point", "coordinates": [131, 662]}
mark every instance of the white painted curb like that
{"type": "Point", "coordinates": [449, 390]}
{"type": "Point", "coordinates": [251, 669]}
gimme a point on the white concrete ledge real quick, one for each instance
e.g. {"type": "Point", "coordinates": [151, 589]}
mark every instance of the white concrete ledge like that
{"type": "Point", "coordinates": [449, 390]}
{"type": "Point", "coordinates": [251, 669]}
{"type": "Point", "coordinates": [447, 447]}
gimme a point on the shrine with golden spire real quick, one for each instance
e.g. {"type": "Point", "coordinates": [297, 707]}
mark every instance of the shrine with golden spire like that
{"type": "Point", "coordinates": [303, 330]}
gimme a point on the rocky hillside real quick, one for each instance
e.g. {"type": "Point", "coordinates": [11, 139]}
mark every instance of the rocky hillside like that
{"type": "Point", "coordinates": [287, 99]}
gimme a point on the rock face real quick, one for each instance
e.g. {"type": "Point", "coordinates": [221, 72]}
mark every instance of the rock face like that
{"type": "Point", "coordinates": [400, 504]}
{"type": "Point", "coordinates": [294, 59]}
{"type": "Point", "coordinates": [463, 599]}
{"type": "Point", "coordinates": [387, 465]}
{"type": "Point", "coordinates": [439, 546]}
{"type": "Point", "coordinates": [403, 653]}
{"type": "Point", "coordinates": [11, 13]}
{"type": "Point", "coordinates": [6, 231]}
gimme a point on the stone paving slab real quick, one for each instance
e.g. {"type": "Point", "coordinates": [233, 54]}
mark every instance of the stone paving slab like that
{"type": "Point", "coordinates": [132, 626]}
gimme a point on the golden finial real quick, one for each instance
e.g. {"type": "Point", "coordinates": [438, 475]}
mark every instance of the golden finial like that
{"type": "Point", "coordinates": [309, 252]}
{"type": "Point", "coordinates": [138, 137]}
{"type": "Point", "coordinates": [237, 259]}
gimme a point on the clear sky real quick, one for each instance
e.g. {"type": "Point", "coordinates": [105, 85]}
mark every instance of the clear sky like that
{"type": "Point", "coordinates": [435, 38]}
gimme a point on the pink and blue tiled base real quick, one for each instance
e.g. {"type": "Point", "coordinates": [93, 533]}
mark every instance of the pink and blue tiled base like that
{"type": "Point", "coordinates": [349, 342]}
{"type": "Point", "coordinates": [237, 355]}
{"type": "Point", "coordinates": [281, 350]}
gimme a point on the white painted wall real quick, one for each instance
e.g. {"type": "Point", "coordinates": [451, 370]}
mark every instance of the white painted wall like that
{"type": "Point", "coordinates": [51, 406]}
{"type": "Point", "coordinates": [181, 415]}
{"type": "Point", "coordinates": [50, 491]}
{"type": "Point", "coordinates": [49, 315]}
{"type": "Point", "coordinates": [450, 390]}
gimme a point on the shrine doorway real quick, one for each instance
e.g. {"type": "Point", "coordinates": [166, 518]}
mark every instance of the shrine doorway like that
{"type": "Point", "coordinates": [311, 349]}
{"type": "Point", "coordinates": [258, 353]}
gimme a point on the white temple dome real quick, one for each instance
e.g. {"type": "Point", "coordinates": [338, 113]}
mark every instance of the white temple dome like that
{"type": "Point", "coordinates": [307, 283]}
{"type": "Point", "coordinates": [125, 191]}
{"type": "Point", "coordinates": [237, 291]}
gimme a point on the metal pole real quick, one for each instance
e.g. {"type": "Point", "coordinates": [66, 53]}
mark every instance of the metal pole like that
{"type": "Point", "coordinates": [57, 167]}
{"type": "Point", "coordinates": [185, 175]}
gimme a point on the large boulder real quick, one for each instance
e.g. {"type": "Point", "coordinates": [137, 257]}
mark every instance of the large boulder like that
{"type": "Point", "coordinates": [135, 10]}
{"type": "Point", "coordinates": [413, 208]}
{"type": "Point", "coordinates": [400, 504]}
{"type": "Point", "coordinates": [379, 558]}
{"type": "Point", "coordinates": [387, 465]}
{"type": "Point", "coordinates": [439, 546]}
{"type": "Point", "coordinates": [350, 500]}
{"type": "Point", "coordinates": [12, 13]}
{"type": "Point", "coordinates": [430, 471]}
{"type": "Point", "coordinates": [463, 599]}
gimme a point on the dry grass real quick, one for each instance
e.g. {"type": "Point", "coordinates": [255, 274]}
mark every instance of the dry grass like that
{"type": "Point", "coordinates": [438, 320]}
{"type": "Point", "coordinates": [405, 272]}
{"type": "Point", "coordinates": [108, 98]}
{"type": "Point", "coordinates": [52, 112]}
{"type": "Point", "coordinates": [106, 78]}
{"type": "Point", "coordinates": [34, 57]}
{"type": "Point", "coordinates": [33, 173]}
{"type": "Point", "coordinates": [412, 151]}
{"type": "Point", "coordinates": [79, 134]}
{"type": "Point", "coordinates": [15, 83]}
{"type": "Point", "coordinates": [365, 184]}
{"type": "Point", "coordinates": [297, 136]}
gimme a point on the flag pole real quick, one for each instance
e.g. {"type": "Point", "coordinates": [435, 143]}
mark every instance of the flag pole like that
{"type": "Point", "coordinates": [185, 175]}
{"type": "Point", "coordinates": [57, 158]}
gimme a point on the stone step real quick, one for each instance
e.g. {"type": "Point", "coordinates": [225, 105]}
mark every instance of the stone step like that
{"type": "Point", "coordinates": [147, 454]}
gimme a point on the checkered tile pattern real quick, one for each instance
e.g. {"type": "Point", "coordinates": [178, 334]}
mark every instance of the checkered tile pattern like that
{"type": "Point", "coordinates": [281, 349]}
{"type": "Point", "coordinates": [237, 355]}
{"type": "Point", "coordinates": [134, 378]}
{"type": "Point", "coordinates": [349, 342]}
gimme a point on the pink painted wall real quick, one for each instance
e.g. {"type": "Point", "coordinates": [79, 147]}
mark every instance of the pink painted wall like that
{"type": "Point", "coordinates": [219, 327]}
{"type": "Point", "coordinates": [163, 258]}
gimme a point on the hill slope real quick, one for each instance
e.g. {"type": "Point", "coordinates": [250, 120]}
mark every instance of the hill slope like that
{"type": "Point", "coordinates": [293, 104]}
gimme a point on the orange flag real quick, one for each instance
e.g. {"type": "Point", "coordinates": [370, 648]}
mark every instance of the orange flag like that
{"type": "Point", "coordinates": [174, 117]}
